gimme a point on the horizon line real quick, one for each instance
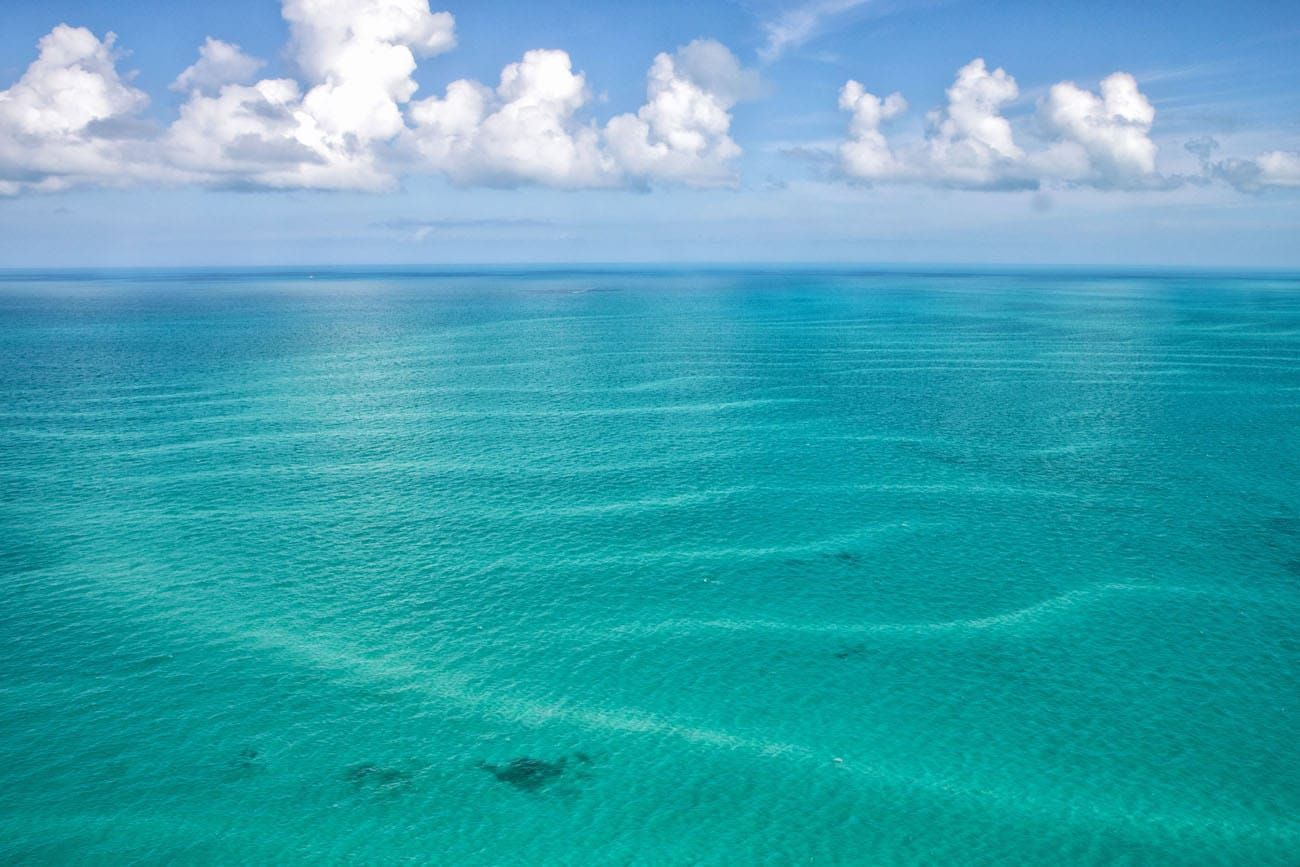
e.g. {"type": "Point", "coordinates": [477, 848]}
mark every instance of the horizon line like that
{"type": "Point", "coordinates": [723, 266]}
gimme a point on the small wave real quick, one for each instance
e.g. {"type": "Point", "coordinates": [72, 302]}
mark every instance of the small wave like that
{"type": "Point", "coordinates": [727, 555]}
{"type": "Point", "coordinates": [1031, 613]}
{"type": "Point", "coordinates": [639, 505]}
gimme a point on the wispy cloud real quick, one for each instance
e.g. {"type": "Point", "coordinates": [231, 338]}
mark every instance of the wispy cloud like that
{"type": "Point", "coordinates": [484, 223]}
{"type": "Point", "coordinates": [797, 25]}
{"type": "Point", "coordinates": [422, 230]}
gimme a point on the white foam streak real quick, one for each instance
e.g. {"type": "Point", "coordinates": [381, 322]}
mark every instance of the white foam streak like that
{"type": "Point", "coordinates": [1029, 614]}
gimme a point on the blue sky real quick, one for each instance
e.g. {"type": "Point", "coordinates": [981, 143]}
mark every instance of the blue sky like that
{"type": "Point", "coordinates": [745, 155]}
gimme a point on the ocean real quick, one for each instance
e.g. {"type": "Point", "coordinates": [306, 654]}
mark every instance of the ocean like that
{"type": "Point", "coordinates": [665, 566]}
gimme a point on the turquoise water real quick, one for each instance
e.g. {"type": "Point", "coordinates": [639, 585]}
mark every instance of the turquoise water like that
{"type": "Point", "coordinates": [650, 568]}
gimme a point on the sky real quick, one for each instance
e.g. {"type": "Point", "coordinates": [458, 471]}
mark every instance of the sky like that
{"type": "Point", "coordinates": [319, 132]}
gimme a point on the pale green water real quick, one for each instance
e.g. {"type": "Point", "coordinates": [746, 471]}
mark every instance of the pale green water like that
{"type": "Point", "coordinates": [756, 568]}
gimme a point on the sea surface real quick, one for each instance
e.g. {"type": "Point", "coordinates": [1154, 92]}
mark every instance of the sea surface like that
{"type": "Point", "coordinates": [650, 567]}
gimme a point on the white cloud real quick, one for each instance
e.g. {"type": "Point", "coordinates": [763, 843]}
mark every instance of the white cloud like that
{"type": "Point", "coordinates": [682, 133]}
{"type": "Point", "coordinates": [372, 40]}
{"type": "Point", "coordinates": [972, 144]}
{"type": "Point", "coordinates": [360, 54]}
{"type": "Point", "coordinates": [524, 131]}
{"type": "Point", "coordinates": [350, 123]}
{"type": "Point", "coordinates": [1270, 170]}
{"type": "Point", "coordinates": [1098, 140]}
{"type": "Point", "coordinates": [71, 84]}
{"type": "Point", "coordinates": [358, 57]}
{"type": "Point", "coordinates": [260, 135]}
{"type": "Point", "coordinates": [529, 130]}
{"type": "Point", "coordinates": [1279, 169]}
{"type": "Point", "coordinates": [348, 119]}
{"type": "Point", "coordinates": [793, 27]}
{"type": "Point", "coordinates": [68, 118]}
{"type": "Point", "coordinates": [219, 63]}
{"type": "Point", "coordinates": [355, 126]}
{"type": "Point", "coordinates": [1101, 140]}
{"type": "Point", "coordinates": [969, 144]}
{"type": "Point", "coordinates": [867, 154]}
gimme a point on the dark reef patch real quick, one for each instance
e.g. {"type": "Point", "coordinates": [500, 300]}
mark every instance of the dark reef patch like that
{"type": "Point", "coordinates": [531, 775]}
{"type": "Point", "coordinates": [1285, 524]}
{"type": "Point", "coordinates": [525, 773]}
{"type": "Point", "coordinates": [371, 776]}
{"type": "Point", "coordinates": [851, 651]}
{"type": "Point", "coordinates": [246, 761]}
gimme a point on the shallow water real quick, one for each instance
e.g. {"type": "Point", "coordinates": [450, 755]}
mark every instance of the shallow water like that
{"type": "Point", "coordinates": [650, 568]}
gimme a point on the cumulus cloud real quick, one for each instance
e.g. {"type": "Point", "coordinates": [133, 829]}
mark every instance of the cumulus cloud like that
{"type": "Point", "coordinates": [524, 131]}
{"type": "Point", "coordinates": [969, 144]}
{"type": "Point", "coordinates": [529, 128]}
{"type": "Point", "coordinates": [219, 63]}
{"type": "Point", "coordinates": [348, 118]}
{"type": "Point", "coordinates": [350, 129]}
{"type": "Point", "coordinates": [64, 120]}
{"type": "Point", "coordinates": [259, 135]}
{"type": "Point", "coordinates": [361, 55]}
{"type": "Point", "coordinates": [682, 133]}
{"type": "Point", "coordinates": [1100, 140]}
{"type": "Point", "coordinates": [867, 154]}
{"type": "Point", "coordinates": [358, 58]}
{"type": "Point", "coordinates": [1103, 140]}
{"type": "Point", "coordinates": [1271, 170]}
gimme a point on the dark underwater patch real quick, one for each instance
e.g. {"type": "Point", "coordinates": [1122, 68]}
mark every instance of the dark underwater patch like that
{"type": "Point", "coordinates": [244, 763]}
{"type": "Point", "coordinates": [525, 773]}
{"type": "Point", "coordinates": [851, 651]}
{"type": "Point", "coordinates": [528, 774]}
{"type": "Point", "coordinates": [371, 776]}
{"type": "Point", "coordinates": [1285, 525]}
